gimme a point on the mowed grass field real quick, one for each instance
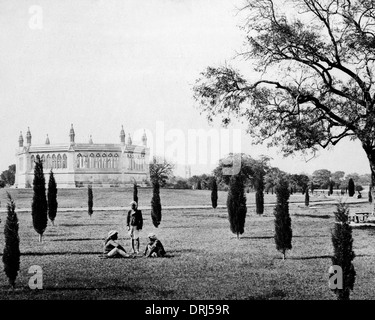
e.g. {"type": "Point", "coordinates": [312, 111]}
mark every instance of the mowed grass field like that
{"type": "Point", "coordinates": [205, 260]}
{"type": "Point", "coordinates": [121, 197]}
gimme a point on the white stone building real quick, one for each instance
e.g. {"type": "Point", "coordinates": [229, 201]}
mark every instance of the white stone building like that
{"type": "Point", "coordinates": [79, 164]}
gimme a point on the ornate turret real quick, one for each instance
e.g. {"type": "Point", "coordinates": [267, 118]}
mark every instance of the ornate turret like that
{"type": "Point", "coordinates": [129, 142]}
{"type": "Point", "coordinates": [28, 136]}
{"type": "Point", "coordinates": [144, 138]}
{"type": "Point", "coordinates": [20, 140]}
{"type": "Point", "coordinates": [122, 135]}
{"type": "Point", "coordinates": [47, 140]}
{"type": "Point", "coordinates": [90, 140]}
{"type": "Point", "coordinates": [72, 134]}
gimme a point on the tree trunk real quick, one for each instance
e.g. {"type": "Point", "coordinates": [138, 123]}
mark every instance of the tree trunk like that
{"type": "Point", "coordinates": [372, 186]}
{"type": "Point", "coordinates": [40, 238]}
{"type": "Point", "coordinates": [371, 157]}
{"type": "Point", "coordinates": [284, 255]}
{"type": "Point", "coordinates": [238, 236]}
{"type": "Point", "coordinates": [53, 223]}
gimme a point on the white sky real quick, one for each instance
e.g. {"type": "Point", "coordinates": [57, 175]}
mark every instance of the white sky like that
{"type": "Point", "coordinates": [100, 64]}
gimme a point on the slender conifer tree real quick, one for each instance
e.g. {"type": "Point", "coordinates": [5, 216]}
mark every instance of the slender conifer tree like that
{"type": "Point", "coordinates": [39, 205]}
{"type": "Point", "coordinates": [52, 198]}
{"type": "Point", "coordinates": [236, 204]}
{"type": "Point", "coordinates": [11, 255]}
{"type": "Point", "coordinates": [283, 223]}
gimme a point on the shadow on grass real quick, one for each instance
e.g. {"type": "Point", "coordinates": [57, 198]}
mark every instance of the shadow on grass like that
{"type": "Point", "coordinates": [272, 237]}
{"type": "Point", "coordinates": [58, 253]}
{"type": "Point", "coordinates": [179, 226]}
{"type": "Point", "coordinates": [309, 258]}
{"type": "Point", "coordinates": [206, 215]}
{"type": "Point", "coordinates": [76, 239]}
{"type": "Point", "coordinates": [368, 227]}
{"type": "Point", "coordinates": [97, 253]}
{"type": "Point", "coordinates": [83, 224]}
{"type": "Point", "coordinates": [321, 216]}
{"type": "Point", "coordinates": [319, 257]}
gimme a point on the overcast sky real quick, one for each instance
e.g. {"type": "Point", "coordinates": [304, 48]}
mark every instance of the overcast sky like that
{"type": "Point", "coordinates": [103, 64]}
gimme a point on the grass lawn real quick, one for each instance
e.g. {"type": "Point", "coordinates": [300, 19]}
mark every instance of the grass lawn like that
{"type": "Point", "coordinates": [120, 197]}
{"type": "Point", "coordinates": [206, 260]}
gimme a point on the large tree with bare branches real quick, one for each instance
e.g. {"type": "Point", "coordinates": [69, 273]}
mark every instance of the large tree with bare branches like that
{"type": "Point", "coordinates": [316, 67]}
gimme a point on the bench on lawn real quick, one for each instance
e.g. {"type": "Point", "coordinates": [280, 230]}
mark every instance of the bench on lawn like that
{"type": "Point", "coordinates": [359, 217]}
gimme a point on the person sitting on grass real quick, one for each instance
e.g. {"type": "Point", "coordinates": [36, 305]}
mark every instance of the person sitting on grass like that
{"type": "Point", "coordinates": [111, 248]}
{"type": "Point", "coordinates": [154, 248]}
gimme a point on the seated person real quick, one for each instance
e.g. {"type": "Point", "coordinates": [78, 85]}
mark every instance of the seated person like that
{"type": "Point", "coordinates": [154, 248]}
{"type": "Point", "coordinates": [111, 248]}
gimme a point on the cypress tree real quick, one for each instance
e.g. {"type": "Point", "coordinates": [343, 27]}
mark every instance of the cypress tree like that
{"type": "Point", "coordinates": [259, 194]}
{"type": "Point", "coordinates": [39, 204]}
{"type": "Point", "coordinates": [283, 228]}
{"type": "Point", "coordinates": [135, 192]}
{"type": "Point", "coordinates": [11, 255]}
{"type": "Point", "coordinates": [343, 256]}
{"type": "Point", "coordinates": [90, 201]}
{"type": "Point", "coordinates": [307, 197]}
{"type": "Point", "coordinates": [199, 185]}
{"type": "Point", "coordinates": [369, 194]}
{"type": "Point", "coordinates": [351, 187]}
{"type": "Point", "coordinates": [214, 193]}
{"type": "Point", "coordinates": [259, 200]}
{"type": "Point", "coordinates": [52, 197]}
{"type": "Point", "coordinates": [155, 204]}
{"type": "Point", "coordinates": [236, 204]}
{"type": "Point", "coordinates": [330, 192]}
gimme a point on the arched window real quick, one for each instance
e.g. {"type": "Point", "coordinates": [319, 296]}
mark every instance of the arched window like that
{"type": "Point", "coordinates": [43, 160]}
{"type": "Point", "coordinates": [48, 161]}
{"type": "Point", "coordinates": [109, 161]}
{"type": "Point", "coordinates": [129, 158]}
{"type": "Point", "coordinates": [91, 161]}
{"type": "Point", "coordinates": [104, 160]}
{"type": "Point", "coordinates": [59, 164]}
{"type": "Point", "coordinates": [97, 158]}
{"type": "Point", "coordinates": [53, 161]}
{"type": "Point", "coordinates": [79, 161]}
{"type": "Point", "coordinates": [115, 161]}
{"type": "Point", "coordinates": [32, 161]}
{"type": "Point", "coordinates": [65, 162]}
{"type": "Point", "coordinates": [143, 163]}
{"type": "Point", "coordinates": [85, 161]}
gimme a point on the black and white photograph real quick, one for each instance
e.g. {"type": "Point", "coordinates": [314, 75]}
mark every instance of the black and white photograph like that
{"type": "Point", "coordinates": [197, 151]}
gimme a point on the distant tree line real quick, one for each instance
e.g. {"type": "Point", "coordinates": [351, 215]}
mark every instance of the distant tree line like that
{"type": "Point", "coordinates": [8, 177]}
{"type": "Point", "coordinates": [324, 179]}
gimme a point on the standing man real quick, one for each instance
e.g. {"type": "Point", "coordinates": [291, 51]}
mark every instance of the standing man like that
{"type": "Point", "coordinates": [134, 223]}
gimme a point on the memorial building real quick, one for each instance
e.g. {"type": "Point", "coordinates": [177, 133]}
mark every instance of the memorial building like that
{"type": "Point", "coordinates": [76, 164]}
